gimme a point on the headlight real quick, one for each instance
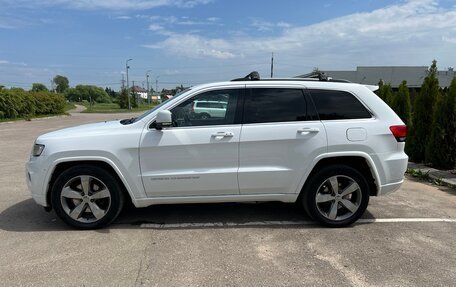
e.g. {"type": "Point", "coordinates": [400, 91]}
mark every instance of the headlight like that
{"type": "Point", "coordinates": [37, 149]}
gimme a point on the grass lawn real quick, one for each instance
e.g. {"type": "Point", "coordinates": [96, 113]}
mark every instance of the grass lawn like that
{"type": "Point", "coordinates": [114, 108]}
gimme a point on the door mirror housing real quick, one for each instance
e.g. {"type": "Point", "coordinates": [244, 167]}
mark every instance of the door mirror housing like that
{"type": "Point", "coordinates": [164, 119]}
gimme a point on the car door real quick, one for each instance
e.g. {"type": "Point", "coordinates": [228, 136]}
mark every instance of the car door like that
{"type": "Point", "coordinates": [195, 157]}
{"type": "Point", "coordinates": [280, 138]}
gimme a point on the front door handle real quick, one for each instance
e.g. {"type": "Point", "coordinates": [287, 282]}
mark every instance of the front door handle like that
{"type": "Point", "coordinates": [222, 134]}
{"type": "Point", "coordinates": [308, 130]}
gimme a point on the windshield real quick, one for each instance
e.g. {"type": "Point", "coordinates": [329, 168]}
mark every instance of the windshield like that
{"type": "Point", "coordinates": [160, 105]}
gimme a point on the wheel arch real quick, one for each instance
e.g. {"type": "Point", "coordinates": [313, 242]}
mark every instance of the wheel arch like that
{"type": "Point", "coordinates": [359, 161]}
{"type": "Point", "coordinates": [106, 164]}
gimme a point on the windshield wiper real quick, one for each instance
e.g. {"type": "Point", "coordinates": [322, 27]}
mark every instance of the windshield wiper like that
{"type": "Point", "coordinates": [127, 121]}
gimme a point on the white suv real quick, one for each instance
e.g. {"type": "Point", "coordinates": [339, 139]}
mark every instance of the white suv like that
{"type": "Point", "coordinates": [209, 109]}
{"type": "Point", "coordinates": [326, 144]}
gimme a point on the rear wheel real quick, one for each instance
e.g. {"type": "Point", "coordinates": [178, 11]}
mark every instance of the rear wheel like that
{"type": "Point", "coordinates": [87, 197]}
{"type": "Point", "coordinates": [336, 195]}
{"type": "Point", "coordinates": [204, 116]}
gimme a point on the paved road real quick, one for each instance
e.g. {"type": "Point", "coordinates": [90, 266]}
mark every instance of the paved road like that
{"type": "Point", "coordinates": [183, 245]}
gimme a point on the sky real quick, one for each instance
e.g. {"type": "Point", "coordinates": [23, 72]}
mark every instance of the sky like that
{"type": "Point", "coordinates": [197, 41]}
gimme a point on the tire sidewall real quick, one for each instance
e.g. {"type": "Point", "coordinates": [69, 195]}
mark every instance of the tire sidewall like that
{"type": "Point", "coordinates": [102, 175]}
{"type": "Point", "coordinates": [310, 191]}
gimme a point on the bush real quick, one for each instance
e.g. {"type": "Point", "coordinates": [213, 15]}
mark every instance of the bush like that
{"type": "Point", "coordinates": [16, 103]}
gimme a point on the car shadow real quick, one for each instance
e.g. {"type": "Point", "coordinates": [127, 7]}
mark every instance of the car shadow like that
{"type": "Point", "coordinates": [27, 216]}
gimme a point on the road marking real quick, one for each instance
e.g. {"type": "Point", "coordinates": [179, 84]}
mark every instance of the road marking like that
{"type": "Point", "coordinates": [284, 223]}
{"type": "Point", "coordinates": [389, 220]}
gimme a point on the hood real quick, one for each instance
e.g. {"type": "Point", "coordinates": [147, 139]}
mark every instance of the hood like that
{"type": "Point", "coordinates": [84, 130]}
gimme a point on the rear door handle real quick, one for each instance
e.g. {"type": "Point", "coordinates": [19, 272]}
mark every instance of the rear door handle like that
{"type": "Point", "coordinates": [222, 134]}
{"type": "Point", "coordinates": [308, 130]}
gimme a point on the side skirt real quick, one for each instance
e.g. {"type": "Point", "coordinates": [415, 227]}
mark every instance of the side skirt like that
{"type": "Point", "coordinates": [144, 202]}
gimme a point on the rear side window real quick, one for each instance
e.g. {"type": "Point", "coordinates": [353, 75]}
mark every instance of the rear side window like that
{"type": "Point", "coordinates": [338, 105]}
{"type": "Point", "coordinates": [266, 105]}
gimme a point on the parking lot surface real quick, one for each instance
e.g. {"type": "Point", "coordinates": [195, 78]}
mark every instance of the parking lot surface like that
{"type": "Point", "coordinates": [407, 238]}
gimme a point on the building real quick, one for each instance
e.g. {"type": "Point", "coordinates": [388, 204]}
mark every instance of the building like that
{"type": "Point", "coordinates": [414, 75]}
{"type": "Point", "coordinates": [139, 91]}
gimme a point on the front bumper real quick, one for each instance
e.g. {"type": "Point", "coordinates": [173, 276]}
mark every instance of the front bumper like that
{"type": "Point", "coordinates": [35, 176]}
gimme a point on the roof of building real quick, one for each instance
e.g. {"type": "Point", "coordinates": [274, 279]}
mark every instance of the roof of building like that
{"type": "Point", "coordinates": [414, 75]}
{"type": "Point", "coordinates": [138, 89]}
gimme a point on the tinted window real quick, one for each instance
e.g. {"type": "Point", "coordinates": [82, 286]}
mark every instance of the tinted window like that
{"type": "Point", "coordinates": [265, 105]}
{"type": "Point", "coordinates": [209, 108]}
{"type": "Point", "coordinates": [338, 105]}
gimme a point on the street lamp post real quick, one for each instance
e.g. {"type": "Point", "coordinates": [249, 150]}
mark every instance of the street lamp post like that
{"type": "Point", "coordinates": [147, 80]}
{"type": "Point", "coordinates": [128, 89]}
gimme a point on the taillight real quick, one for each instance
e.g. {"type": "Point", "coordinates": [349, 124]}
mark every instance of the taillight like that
{"type": "Point", "coordinates": [399, 132]}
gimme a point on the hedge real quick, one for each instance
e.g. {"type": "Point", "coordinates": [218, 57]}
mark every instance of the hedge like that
{"type": "Point", "coordinates": [17, 103]}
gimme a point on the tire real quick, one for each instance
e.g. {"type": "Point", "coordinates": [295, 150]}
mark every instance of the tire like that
{"type": "Point", "coordinates": [87, 197]}
{"type": "Point", "coordinates": [342, 193]}
{"type": "Point", "coordinates": [204, 116]}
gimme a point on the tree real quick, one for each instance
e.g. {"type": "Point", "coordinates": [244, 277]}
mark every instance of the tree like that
{"type": "Point", "coordinates": [385, 92]}
{"type": "Point", "coordinates": [388, 94]}
{"type": "Point", "coordinates": [123, 99]}
{"type": "Point", "coordinates": [423, 110]}
{"type": "Point", "coordinates": [39, 87]}
{"type": "Point", "coordinates": [61, 83]}
{"type": "Point", "coordinates": [111, 92]}
{"type": "Point", "coordinates": [87, 92]}
{"type": "Point", "coordinates": [401, 103]}
{"type": "Point", "coordinates": [441, 148]}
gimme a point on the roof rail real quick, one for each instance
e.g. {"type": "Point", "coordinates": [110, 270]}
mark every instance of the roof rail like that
{"type": "Point", "coordinates": [314, 76]}
{"type": "Point", "coordinates": [321, 76]}
{"type": "Point", "coordinates": [253, 76]}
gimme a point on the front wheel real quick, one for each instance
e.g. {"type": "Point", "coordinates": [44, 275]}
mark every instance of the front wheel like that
{"type": "Point", "coordinates": [87, 197]}
{"type": "Point", "coordinates": [336, 195]}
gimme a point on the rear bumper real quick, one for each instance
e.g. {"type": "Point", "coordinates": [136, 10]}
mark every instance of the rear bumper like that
{"type": "Point", "coordinates": [394, 167]}
{"type": "Point", "coordinates": [389, 188]}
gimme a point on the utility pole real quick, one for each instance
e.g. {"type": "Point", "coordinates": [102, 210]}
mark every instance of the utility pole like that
{"type": "Point", "coordinates": [147, 81]}
{"type": "Point", "coordinates": [123, 82]}
{"type": "Point", "coordinates": [272, 65]}
{"type": "Point", "coordinates": [156, 87]}
{"type": "Point", "coordinates": [128, 88]}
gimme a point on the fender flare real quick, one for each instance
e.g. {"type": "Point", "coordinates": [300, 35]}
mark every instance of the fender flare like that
{"type": "Point", "coordinates": [108, 161]}
{"type": "Point", "coordinates": [363, 155]}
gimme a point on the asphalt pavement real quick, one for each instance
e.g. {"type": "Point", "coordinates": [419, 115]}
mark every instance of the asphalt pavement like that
{"type": "Point", "coordinates": [405, 239]}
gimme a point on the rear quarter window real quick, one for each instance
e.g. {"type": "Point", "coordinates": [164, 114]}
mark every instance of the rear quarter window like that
{"type": "Point", "coordinates": [338, 105]}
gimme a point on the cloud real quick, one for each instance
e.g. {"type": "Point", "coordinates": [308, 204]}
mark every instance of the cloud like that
{"type": "Point", "coordinates": [194, 46]}
{"type": "Point", "coordinates": [105, 4]}
{"type": "Point", "coordinates": [403, 33]}
{"type": "Point", "coordinates": [10, 23]}
{"type": "Point", "coordinates": [123, 17]}
{"type": "Point", "coordinates": [262, 25]}
{"type": "Point", "coordinates": [3, 62]}
{"type": "Point", "coordinates": [155, 27]}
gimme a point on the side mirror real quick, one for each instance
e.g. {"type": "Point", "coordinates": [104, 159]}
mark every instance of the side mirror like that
{"type": "Point", "coordinates": [164, 119]}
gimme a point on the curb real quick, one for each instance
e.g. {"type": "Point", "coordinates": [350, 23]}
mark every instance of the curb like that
{"type": "Point", "coordinates": [440, 176]}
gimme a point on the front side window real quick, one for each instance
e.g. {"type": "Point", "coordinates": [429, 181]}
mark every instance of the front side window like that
{"type": "Point", "coordinates": [209, 108]}
{"type": "Point", "coordinates": [267, 105]}
{"type": "Point", "coordinates": [338, 105]}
